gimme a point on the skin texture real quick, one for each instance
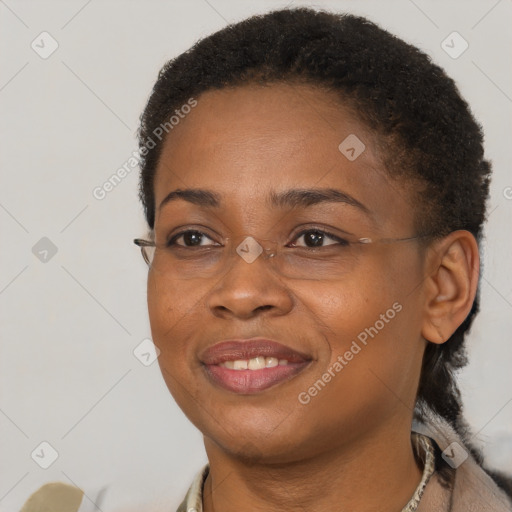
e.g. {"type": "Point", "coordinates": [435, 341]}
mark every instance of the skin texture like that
{"type": "Point", "coordinates": [349, 448]}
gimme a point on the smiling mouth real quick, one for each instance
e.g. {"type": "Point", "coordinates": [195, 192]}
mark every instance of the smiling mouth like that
{"type": "Point", "coordinates": [252, 365]}
{"type": "Point", "coordinates": [251, 376]}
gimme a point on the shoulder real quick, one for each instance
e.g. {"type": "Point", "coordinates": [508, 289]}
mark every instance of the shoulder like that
{"type": "Point", "coordinates": [474, 489]}
{"type": "Point", "coordinates": [460, 483]}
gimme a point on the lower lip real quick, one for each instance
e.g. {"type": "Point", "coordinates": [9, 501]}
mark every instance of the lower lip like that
{"type": "Point", "coordinates": [252, 381]}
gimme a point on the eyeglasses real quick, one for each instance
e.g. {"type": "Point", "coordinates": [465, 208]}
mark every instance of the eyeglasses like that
{"type": "Point", "coordinates": [331, 261]}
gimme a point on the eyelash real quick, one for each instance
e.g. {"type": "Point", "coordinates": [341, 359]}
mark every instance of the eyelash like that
{"type": "Point", "coordinates": [341, 241]}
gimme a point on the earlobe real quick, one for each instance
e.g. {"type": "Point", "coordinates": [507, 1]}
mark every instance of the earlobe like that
{"type": "Point", "coordinates": [450, 287]}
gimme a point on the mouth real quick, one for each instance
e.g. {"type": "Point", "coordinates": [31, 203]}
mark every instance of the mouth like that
{"type": "Point", "coordinates": [251, 366]}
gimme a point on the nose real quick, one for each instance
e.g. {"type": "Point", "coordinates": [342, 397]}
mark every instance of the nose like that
{"type": "Point", "coordinates": [249, 289]}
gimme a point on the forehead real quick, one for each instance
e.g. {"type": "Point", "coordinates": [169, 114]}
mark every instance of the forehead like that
{"type": "Point", "coordinates": [250, 142]}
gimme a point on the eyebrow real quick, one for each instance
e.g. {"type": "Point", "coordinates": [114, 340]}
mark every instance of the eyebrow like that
{"type": "Point", "coordinates": [292, 198]}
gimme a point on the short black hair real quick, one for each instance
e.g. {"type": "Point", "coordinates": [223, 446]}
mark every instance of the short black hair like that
{"type": "Point", "coordinates": [425, 131]}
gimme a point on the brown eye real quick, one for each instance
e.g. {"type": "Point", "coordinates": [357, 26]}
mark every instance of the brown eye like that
{"type": "Point", "coordinates": [191, 238]}
{"type": "Point", "coordinates": [314, 238]}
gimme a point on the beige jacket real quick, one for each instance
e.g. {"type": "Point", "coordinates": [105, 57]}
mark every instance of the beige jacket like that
{"type": "Point", "coordinates": [473, 489]}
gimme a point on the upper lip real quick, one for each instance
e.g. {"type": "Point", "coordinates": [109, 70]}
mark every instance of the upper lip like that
{"type": "Point", "coordinates": [232, 350]}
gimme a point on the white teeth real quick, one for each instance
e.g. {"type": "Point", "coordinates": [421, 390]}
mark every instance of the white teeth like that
{"type": "Point", "coordinates": [256, 363]}
{"type": "Point", "coordinates": [270, 362]}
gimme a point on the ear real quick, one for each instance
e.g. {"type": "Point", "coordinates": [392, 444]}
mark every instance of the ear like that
{"type": "Point", "coordinates": [453, 265]}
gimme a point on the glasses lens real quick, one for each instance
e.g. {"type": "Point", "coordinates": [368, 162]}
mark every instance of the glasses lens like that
{"type": "Point", "coordinates": [148, 253]}
{"type": "Point", "coordinates": [317, 263]}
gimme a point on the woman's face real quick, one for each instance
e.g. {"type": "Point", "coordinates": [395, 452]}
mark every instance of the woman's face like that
{"type": "Point", "coordinates": [361, 327]}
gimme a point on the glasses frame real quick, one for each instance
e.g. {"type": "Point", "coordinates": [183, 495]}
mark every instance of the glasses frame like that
{"type": "Point", "coordinates": [144, 243]}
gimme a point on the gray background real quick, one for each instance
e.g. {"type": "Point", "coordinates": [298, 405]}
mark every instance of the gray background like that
{"type": "Point", "coordinates": [70, 324]}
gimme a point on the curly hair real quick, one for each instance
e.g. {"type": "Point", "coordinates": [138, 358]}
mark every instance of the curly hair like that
{"type": "Point", "coordinates": [425, 130]}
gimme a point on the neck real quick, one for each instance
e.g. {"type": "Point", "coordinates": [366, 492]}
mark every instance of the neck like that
{"type": "Point", "coordinates": [377, 473]}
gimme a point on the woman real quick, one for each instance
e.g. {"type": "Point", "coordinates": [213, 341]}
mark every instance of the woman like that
{"type": "Point", "coordinates": [315, 192]}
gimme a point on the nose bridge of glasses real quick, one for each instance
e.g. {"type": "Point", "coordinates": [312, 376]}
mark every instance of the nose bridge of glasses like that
{"type": "Point", "coordinates": [250, 248]}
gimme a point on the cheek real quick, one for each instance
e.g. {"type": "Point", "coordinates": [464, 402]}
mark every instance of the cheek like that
{"type": "Point", "coordinates": [162, 307]}
{"type": "Point", "coordinates": [170, 305]}
{"type": "Point", "coordinates": [173, 313]}
{"type": "Point", "coordinates": [372, 324]}
{"type": "Point", "coordinates": [173, 318]}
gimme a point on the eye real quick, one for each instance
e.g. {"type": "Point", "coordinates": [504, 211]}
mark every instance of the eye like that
{"type": "Point", "coordinates": [316, 237]}
{"type": "Point", "coordinates": [190, 238]}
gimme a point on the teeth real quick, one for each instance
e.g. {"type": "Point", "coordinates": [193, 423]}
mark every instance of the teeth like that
{"type": "Point", "coordinates": [240, 365]}
{"type": "Point", "coordinates": [256, 363]}
{"type": "Point", "coordinates": [270, 362]}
